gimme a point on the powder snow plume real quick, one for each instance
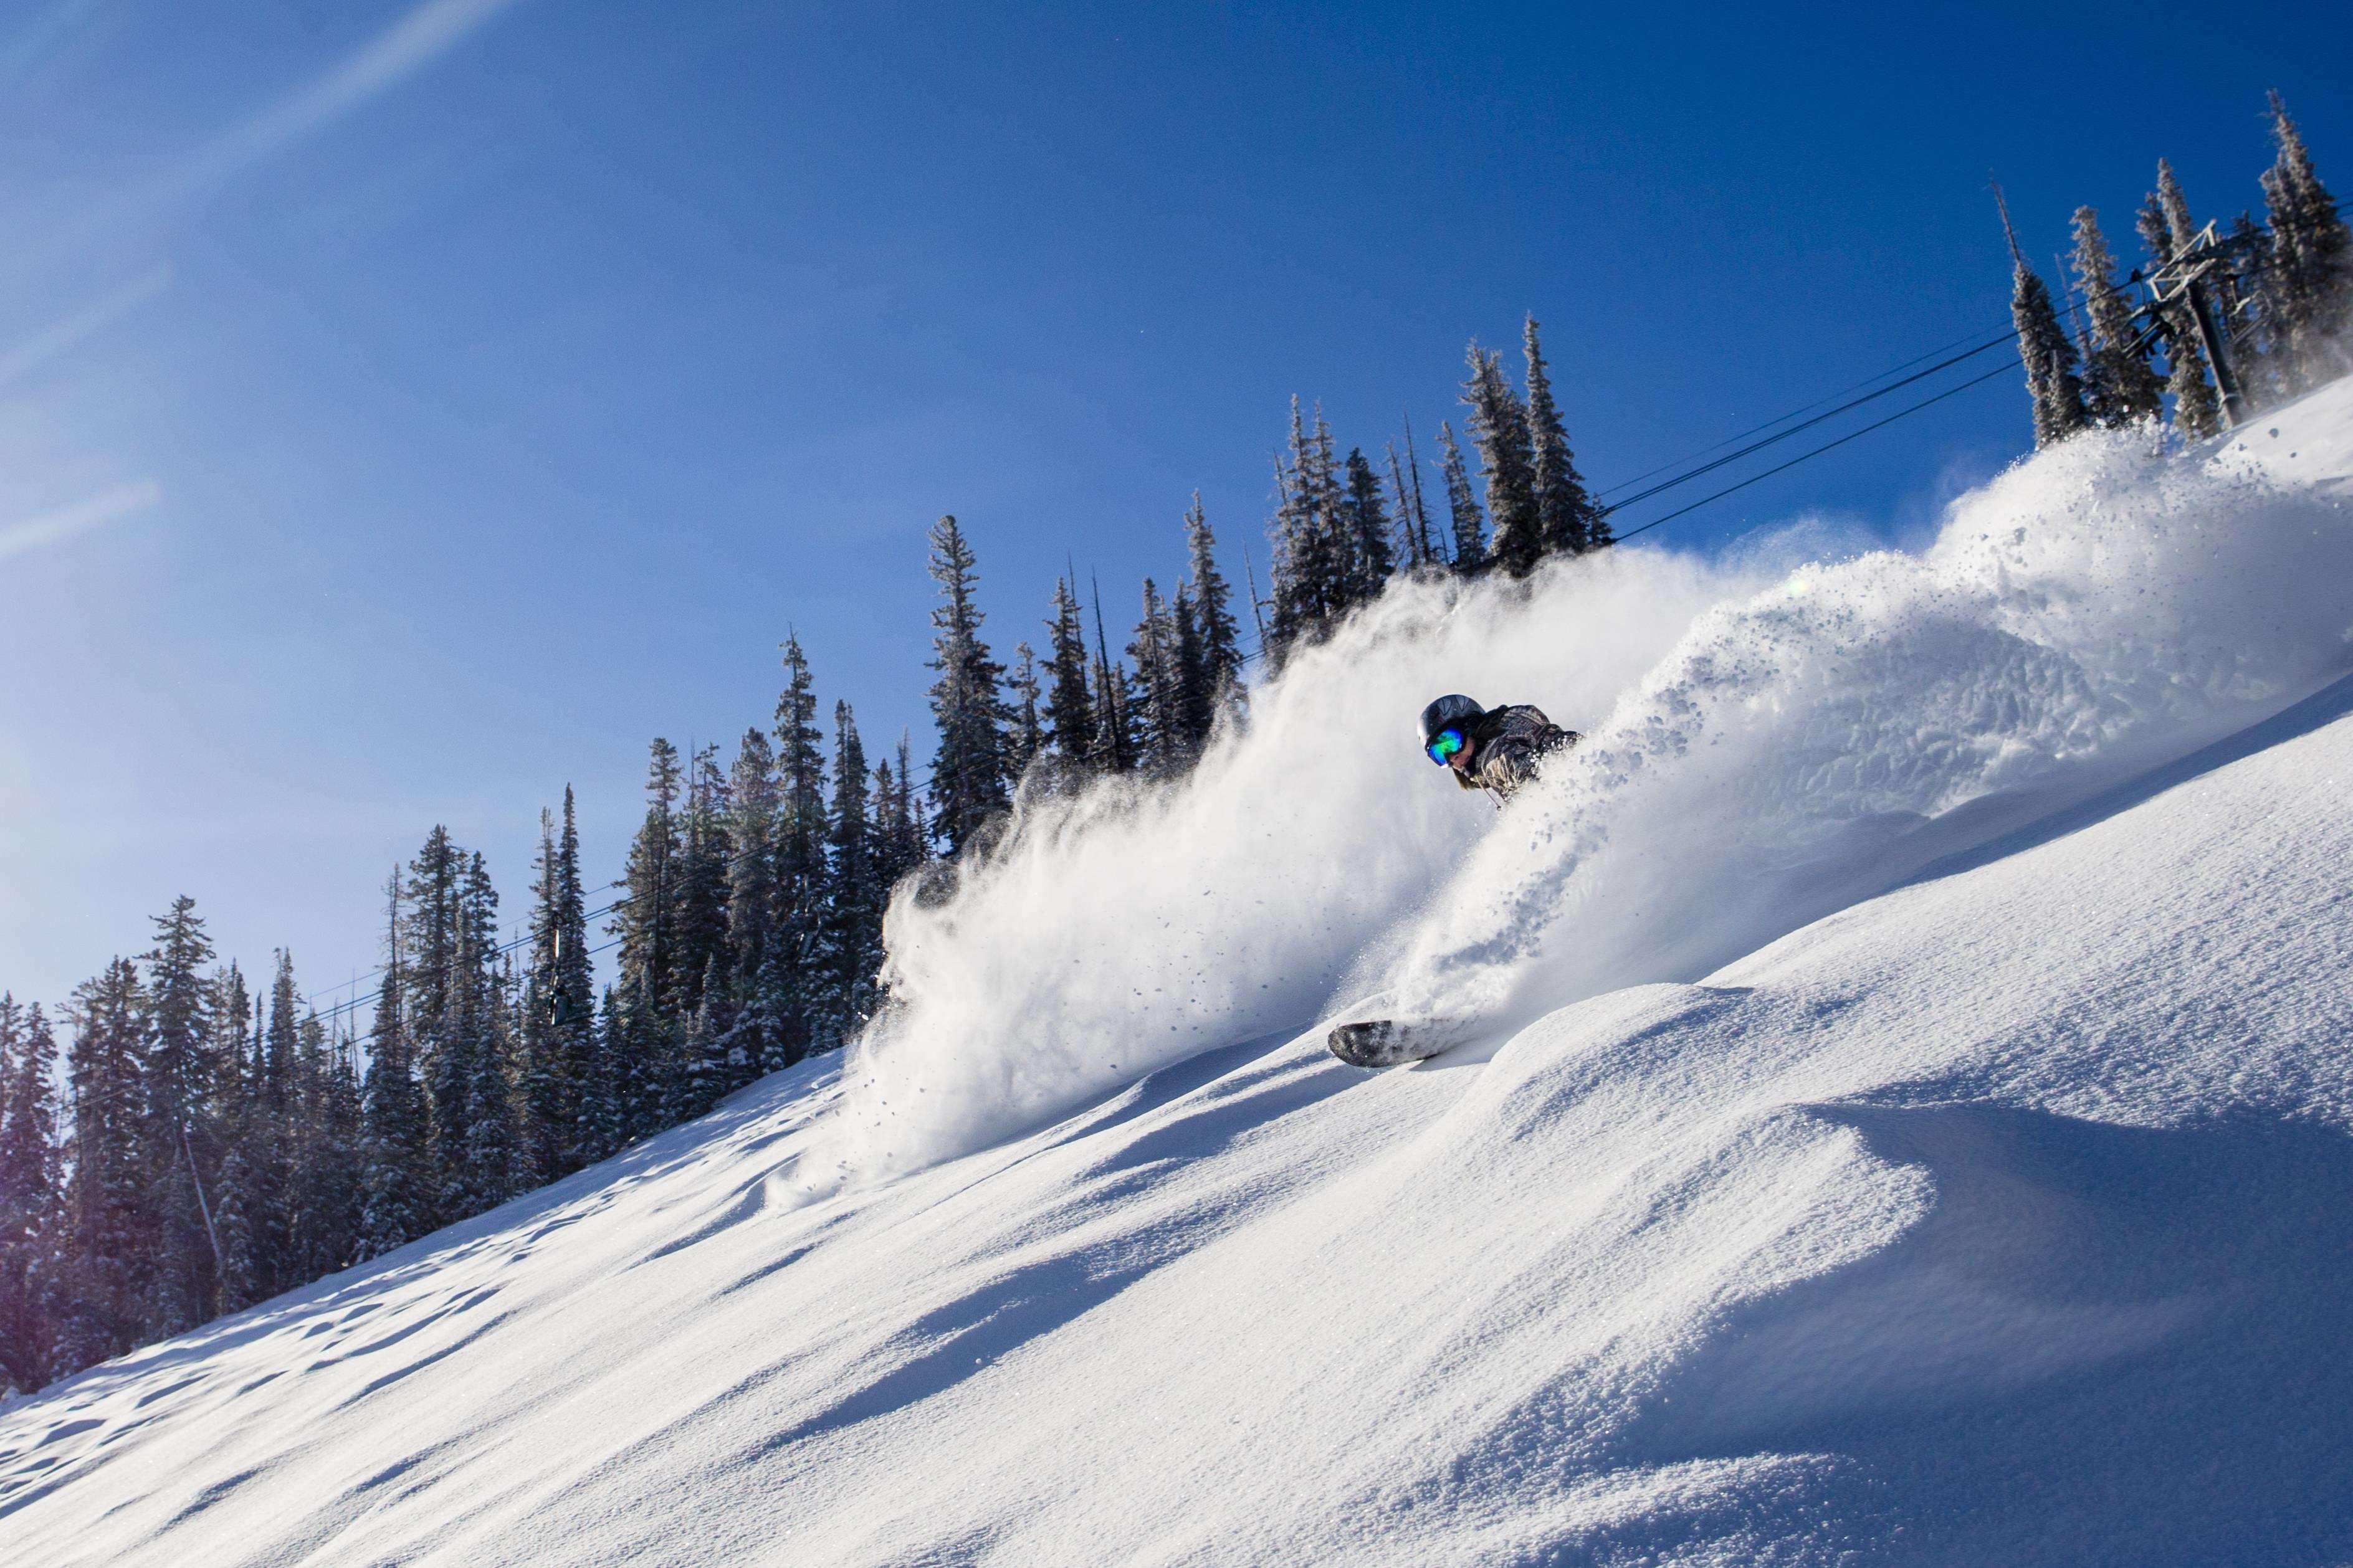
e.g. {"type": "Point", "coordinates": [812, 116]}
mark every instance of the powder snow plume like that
{"type": "Point", "coordinates": [1766, 743]}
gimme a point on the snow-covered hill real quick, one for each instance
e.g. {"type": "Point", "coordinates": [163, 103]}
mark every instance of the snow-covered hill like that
{"type": "Point", "coordinates": [1915, 1124]}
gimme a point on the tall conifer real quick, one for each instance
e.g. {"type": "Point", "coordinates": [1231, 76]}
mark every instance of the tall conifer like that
{"type": "Point", "coordinates": [1499, 423]}
{"type": "Point", "coordinates": [969, 769]}
{"type": "Point", "coordinates": [1567, 522]}
{"type": "Point", "coordinates": [1070, 701]}
{"type": "Point", "coordinates": [1462, 505]}
{"type": "Point", "coordinates": [2119, 388]}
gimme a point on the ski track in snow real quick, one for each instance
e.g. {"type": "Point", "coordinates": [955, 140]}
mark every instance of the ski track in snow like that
{"type": "Point", "coordinates": [1915, 1129]}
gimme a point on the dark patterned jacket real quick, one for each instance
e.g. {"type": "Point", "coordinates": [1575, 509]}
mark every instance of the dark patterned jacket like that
{"type": "Point", "coordinates": [1505, 748]}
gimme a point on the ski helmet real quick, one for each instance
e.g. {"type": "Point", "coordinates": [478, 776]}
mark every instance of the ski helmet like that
{"type": "Point", "coordinates": [1453, 712]}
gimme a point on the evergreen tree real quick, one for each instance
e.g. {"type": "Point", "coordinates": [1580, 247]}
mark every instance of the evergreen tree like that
{"type": "Point", "coordinates": [855, 901]}
{"type": "Point", "coordinates": [1026, 737]}
{"type": "Point", "coordinates": [899, 833]}
{"type": "Point", "coordinates": [1463, 506]}
{"type": "Point", "coordinates": [1499, 423]}
{"type": "Point", "coordinates": [239, 1228]}
{"type": "Point", "coordinates": [32, 1210]}
{"type": "Point", "coordinates": [1211, 599]}
{"type": "Point", "coordinates": [2165, 227]}
{"type": "Point", "coordinates": [1070, 701]}
{"type": "Point", "coordinates": [434, 1009]}
{"type": "Point", "coordinates": [757, 1030]}
{"type": "Point", "coordinates": [705, 852]}
{"type": "Point", "coordinates": [1371, 559]}
{"type": "Point", "coordinates": [645, 920]}
{"type": "Point", "coordinates": [2119, 387]}
{"type": "Point", "coordinates": [1568, 521]}
{"type": "Point", "coordinates": [487, 1174]}
{"type": "Point", "coordinates": [396, 1186]}
{"type": "Point", "coordinates": [555, 1016]}
{"type": "Point", "coordinates": [968, 770]}
{"type": "Point", "coordinates": [179, 1143]}
{"type": "Point", "coordinates": [327, 1176]}
{"type": "Point", "coordinates": [2312, 259]}
{"type": "Point", "coordinates": [2043, 346]}
{"type": "Point", "coordinates": [108, 1239]}
{"type": "Point", "coordinates": [1196, 704]}
{"type": "Point", "coordinates": [1164, 741]}
{"type": "Point", "coordinates": [1309, 572]}
{"type": "Point", "coordinates": [601, 1114]}
{"type": "Point", "coordinates": [793, 960]}
{"type": "Point", "coordinates": [271, 1125]}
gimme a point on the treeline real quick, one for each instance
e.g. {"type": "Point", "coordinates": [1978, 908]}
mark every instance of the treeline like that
{"type": "Point", "coordinates": [207, 1147]}
{"type": "Point", "coordinates": [2280, 293]}
{"type": "Point", "coordinates": [1339, 535]}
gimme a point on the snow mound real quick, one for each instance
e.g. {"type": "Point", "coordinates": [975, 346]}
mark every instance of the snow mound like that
{"type": "Point", "coordinates": [2003, 1214]}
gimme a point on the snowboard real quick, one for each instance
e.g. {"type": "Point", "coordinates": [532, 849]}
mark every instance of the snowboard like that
{"type": "Point", "coordinates": [1389, 1042]}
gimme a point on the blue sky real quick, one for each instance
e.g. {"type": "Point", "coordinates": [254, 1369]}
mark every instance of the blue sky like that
{"type": "Point", "coordinates": [406, 409]}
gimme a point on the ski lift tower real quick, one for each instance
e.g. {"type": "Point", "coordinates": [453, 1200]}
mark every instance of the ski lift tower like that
{"type": "Point", "coordinates": [2183, 285]}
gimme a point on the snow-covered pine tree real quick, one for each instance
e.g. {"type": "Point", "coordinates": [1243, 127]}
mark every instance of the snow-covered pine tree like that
{"type": "Point", "coordinates": [2119, 387]}
{"type": "Point", "coordinates": [600, 1091]}
{"type": "Point", "coordinates": [1026, 735]}
{"type": "Point", "coordinates": [273, 1127]}
{"type": "Point", "coordinates": [645, 920]}
{"type": "Point", "coordinates": [327, 1178]}
{"type": "Point", "coordinates": [492, 1150]}
{"type": "Point", "coordinates": [1196, 709]}
{"type": "Point", "coordinates": [704, 854]}
{"type": "Point", "coordinates": [108, 1239]}
{"type": "Point", "coordinates": [855, 897]}
{"type": "Point", "coordinates": [1462, 505]}
{"type": "Point", "coordinates": [237, 1225]}
{"type": "Point", "coordinates": [1293, 538]}
{"type": "Point", "coordinates": [1163, 743]}
{"type": "Point", "coordinates": [1566, 518]}
{"type": "Point", "coordinates": [31, 1212]}
{"type": "Point", "coordinates": [1070, 702]}
{"type": "Point", "coordinates": [901, 837]}
{"type": "Point", "coordinates": [794, 972]}
{"type": "Point", "coordinates": [2043, 346]}
{"type": "Point", "coordinates": [756, 1032]}
{"type": "Point", "coordinates": [180, 1144]}
{"type": "Point", "coordinates": [2312, 254]}
{"type": "Point", "coordinates": [1213, 617]}
{"type": "Point", "coordinates": [1499, 424]}
{"type": "Point", "coordinates": [2164, 226]}
{"type": "Point", "coordinates": [1371, 557]}
{"type": "Point", "coordinates": [396, 1173]}
{"type": "Point", "coordinates": [547, 1095]}
{"type": "Point", "coordinates": [968, 768]}
{"type": "Point", "coordinates": [432, 1010]}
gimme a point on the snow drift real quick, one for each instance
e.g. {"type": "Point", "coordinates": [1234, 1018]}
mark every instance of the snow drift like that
{"type": "Point", "coordinates": [2004, 1214]}
{"type": "Point", "coordinates": [1762, 747]}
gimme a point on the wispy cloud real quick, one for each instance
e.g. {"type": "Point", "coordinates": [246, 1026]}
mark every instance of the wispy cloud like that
{"type": "Point", "coordinates": [56, 339]}
{"type": "Point", "coordinates": [110, 505]}
{"type": "Point", "coordinates": [422, 35]}
{"type": "Point", "coordinates": [417, 39]}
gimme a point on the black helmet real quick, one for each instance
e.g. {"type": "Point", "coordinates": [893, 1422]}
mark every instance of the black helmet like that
{"type": "Point", "coordinates": [1453, 712]}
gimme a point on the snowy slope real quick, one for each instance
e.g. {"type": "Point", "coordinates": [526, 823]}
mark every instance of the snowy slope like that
{"type": "Point", "coordinates": [1960, 1169]}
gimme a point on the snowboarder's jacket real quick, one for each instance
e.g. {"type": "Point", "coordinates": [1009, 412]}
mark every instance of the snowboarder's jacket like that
{"type": "Point", "coordinates": [1503, 747]}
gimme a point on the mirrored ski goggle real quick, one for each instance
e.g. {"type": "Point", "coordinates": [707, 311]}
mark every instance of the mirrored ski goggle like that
{"type": "Point", "coordinates": [1444, 745]}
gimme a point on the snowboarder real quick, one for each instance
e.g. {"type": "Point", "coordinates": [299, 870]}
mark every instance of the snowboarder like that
{"type": "Point", "coordinates": [1493, 749]}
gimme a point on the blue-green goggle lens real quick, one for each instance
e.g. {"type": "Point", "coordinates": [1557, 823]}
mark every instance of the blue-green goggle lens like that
{"type": "Point", "coordinates": [1444, 745]}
